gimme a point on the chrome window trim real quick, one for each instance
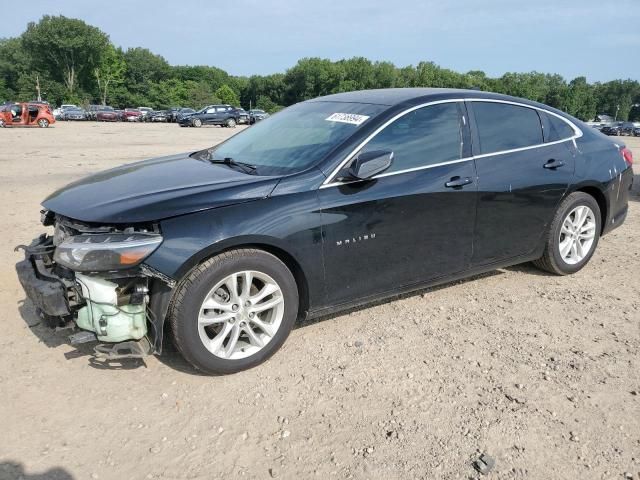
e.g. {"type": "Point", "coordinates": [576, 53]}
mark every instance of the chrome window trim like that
{"type": "Point", "coordinates": [329, 181]}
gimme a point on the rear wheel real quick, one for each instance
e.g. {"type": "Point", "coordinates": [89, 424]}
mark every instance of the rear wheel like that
{"type": "Point", "coordinates": [573, 236]}
{"type": "Point", "coordinates": [196, 122]}
{"type": "Point", "coordinates": [230, 123]}
{"type": "Point", "coordinates": [43, 123]}
{"type": "Point", "coordinates": [234, 311]}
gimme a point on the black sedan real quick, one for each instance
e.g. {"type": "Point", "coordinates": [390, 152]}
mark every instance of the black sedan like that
{"type": "Point", "coordinates": [223, 115]}
{"type": "Point", "coordinates": [331, 203]}
{"type": "Point", "coordinates": [612, 130]}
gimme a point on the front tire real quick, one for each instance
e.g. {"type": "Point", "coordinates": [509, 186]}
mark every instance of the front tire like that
{"type": "Point", "coordinates": [234, 311]}
{"type": "Point", "coordinates": [573, 235]}
{"type": "Point", "coordinates": [196, 122]}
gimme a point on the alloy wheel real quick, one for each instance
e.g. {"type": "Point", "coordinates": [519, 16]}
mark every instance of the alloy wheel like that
{"type": "Point", "coordinates": [241, 314]}
{"type": "Point", "coordinates": [43, 122]}
{"type": "Point", "coordinates": [577, 234]}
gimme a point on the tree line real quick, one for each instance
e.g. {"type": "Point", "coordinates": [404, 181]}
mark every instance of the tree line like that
{"type": "Point", "coordinates": [65, 60]}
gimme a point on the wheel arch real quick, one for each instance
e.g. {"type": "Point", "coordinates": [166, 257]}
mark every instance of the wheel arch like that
{"type": "Point", "coordinates": [268, 245]}
{"type": "Point", "coordinates": [600, 198]}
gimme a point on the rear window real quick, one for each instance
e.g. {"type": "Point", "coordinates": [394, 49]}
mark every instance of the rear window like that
{"type": "Point", "coordinates": [556, 129]}
{"type": "Point", "coordinates": [503, 126]}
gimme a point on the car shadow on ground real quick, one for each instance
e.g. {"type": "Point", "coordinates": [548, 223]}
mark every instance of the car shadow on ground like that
{"type": "Point", "coordinates": [54, 338]}
{"type": "Point", "coordinates": [14, 470]}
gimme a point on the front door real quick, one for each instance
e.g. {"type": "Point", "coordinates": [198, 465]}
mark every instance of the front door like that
{"type": "Point", "coordinates": [523, 173]}
{"type": "Point", "coordinates": [410, 224]}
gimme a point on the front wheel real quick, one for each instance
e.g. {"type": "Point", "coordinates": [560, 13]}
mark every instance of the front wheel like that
{"type": "Point", "coordinates": [234, 311]}
{"type": "Point", "coordinates": [573, 236]}
{"type": "Point", "coordinates": [196, 122]}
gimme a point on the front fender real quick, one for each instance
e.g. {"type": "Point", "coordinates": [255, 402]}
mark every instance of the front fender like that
{"type": "Point", "coordinates": [290, 224]}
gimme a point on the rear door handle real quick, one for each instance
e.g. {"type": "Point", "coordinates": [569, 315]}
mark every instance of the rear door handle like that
{"type": "Point", "coordinates": [457, 182]}
{"type": "Point", "coordinates": [553, 164]}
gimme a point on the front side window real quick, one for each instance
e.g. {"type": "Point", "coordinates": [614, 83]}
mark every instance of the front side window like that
{"type": "Point", "coordinates": [427, 136]}
{"type": "Point", "coordinates": [503, 126]}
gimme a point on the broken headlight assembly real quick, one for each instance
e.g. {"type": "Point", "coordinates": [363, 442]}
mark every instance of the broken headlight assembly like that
{"type": "Point", "coordinates": [104, 252]}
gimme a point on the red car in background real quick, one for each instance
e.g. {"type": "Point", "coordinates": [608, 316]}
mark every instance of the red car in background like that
{"type": "Point", "coordinates": [107, 114]}
{"type": "Point", "coordinates": [26, 115]}
{"type": "Point", "coordinates": [131, 115]}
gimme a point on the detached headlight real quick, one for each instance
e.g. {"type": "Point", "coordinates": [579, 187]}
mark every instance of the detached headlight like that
{"type": "Point", "coordinates": [104, 252]}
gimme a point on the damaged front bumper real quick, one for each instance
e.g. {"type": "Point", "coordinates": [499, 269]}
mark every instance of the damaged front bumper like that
{"type": "Point", "coordinates": [118, 307]}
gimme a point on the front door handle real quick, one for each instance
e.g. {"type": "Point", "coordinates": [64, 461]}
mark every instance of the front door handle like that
{"type": "Point", "coordinates": [457, 182]}
{"type": "Point", "coordinates": [553, 164]}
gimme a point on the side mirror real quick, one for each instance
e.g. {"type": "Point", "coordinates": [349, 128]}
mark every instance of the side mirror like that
{"type": "Point", "coordinates": [370, 164]}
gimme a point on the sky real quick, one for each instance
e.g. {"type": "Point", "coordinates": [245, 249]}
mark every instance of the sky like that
{"type": "Point", "coordinates": [594, 38]}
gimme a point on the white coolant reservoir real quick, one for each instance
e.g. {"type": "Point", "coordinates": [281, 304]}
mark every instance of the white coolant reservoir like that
{"type": "Point", "coordinates": [102, 315]}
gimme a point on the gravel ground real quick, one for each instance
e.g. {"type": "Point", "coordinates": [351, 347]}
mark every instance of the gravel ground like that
{"type": "Point", "coordinates": [540, 372]}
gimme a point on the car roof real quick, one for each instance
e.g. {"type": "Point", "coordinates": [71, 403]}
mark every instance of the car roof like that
{"type": "Point", "coordinates": [397, 96]}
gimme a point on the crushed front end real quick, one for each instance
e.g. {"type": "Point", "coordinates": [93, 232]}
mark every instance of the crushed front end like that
{"type": "Point", "coordinates": [93, 275]}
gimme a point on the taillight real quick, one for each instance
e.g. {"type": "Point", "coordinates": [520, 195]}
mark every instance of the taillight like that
{"type": "Point", "coordinates": [627, 155]}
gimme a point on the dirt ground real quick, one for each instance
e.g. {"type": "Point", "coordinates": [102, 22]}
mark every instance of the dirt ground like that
{"type": "Point", "coordinates": [540, 372]}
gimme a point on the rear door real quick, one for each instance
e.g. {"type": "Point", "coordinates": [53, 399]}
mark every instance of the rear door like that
{"type": "Point", "coordinates": [521, 177]}
{"type": "Point", "coordinates": [413, 222]}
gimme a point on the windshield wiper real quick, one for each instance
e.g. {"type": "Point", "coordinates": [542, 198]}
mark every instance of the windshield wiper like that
{"type": "Point", "coordinates": [245, 167]}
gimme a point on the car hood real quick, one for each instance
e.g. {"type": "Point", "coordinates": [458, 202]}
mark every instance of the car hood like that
{"type": "Point", "coordinates": [155, 189]}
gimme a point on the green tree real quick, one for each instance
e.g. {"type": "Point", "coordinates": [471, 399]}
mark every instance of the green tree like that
{"type": "Point", "coordinates": [227, 96]}
{"type": "Point", "coordinates": [110, 71]}
{"type": "Point", "coordinates": [66, 49]}
{"type": "Point", "coordinates": [268, 105]}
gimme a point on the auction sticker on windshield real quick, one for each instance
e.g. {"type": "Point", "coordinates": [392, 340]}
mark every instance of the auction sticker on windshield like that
{"type": "Point", "coordinates": [352, 118]}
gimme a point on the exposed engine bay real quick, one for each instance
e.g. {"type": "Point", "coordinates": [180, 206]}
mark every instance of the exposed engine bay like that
{"type": "Point", "coordinates": [92, 277]}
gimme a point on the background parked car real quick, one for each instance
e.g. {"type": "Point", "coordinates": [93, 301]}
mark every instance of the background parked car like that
{"type": "Point", "coordinates": [180, 114]}
{"type": "Point", "coordinates": [74, 113]}
{"type": "Point", "coordinates": [26, 115]}
{"type": "Point", "coordinates": [223, 115]}
{"type": "Point", "coordinates": [144, 111]}
{"type": "Point", "coordinates": [636, 131]}
{"type": "Point", "coordinates": [256, 116]}
{"type": "Point", "coordinates": [242, 117]}
{"type": "Point", "coordinates": [107, 114]}
{"type": "Point", "coordinates": [156, 116]}
{"type": "Point", "coordinates": [626, 128]}
{"type": "Point", "coordinates": [612, 130]}
{"type": "Point", "coordinates": [92, 111]}
{"type": "Point", "coordinates": [57, 113]}
{"type": "Point", "coordinates": [131, 115]}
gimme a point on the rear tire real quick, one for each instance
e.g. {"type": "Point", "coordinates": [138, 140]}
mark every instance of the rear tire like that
{"type": "Point", "coordinates": [230, 123]}
{"type": "Point", "coordinates": [204, 309]}
{"type": "Point", "coordinates": [573, 235]}
{"type": "Point", "coordinates": [43, 123]}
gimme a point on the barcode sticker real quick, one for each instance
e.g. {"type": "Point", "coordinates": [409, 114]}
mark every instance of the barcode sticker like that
{"type": "Point", "coordinates": [352, 118]}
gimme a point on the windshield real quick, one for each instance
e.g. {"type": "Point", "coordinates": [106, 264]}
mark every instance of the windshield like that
{"type": "Point", "coordinates": [297, 137]}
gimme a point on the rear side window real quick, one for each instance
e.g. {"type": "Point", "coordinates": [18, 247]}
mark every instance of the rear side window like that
{"type": "Point", "coordinates": [555, 129]}
{"type": "Point", "coordinates": [503, 126]}
{"type": "Point", "coordinates": [426, 136]}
